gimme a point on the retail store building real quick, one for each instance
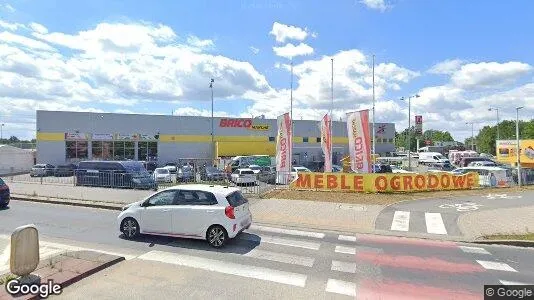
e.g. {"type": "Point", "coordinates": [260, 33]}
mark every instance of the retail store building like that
{"type": "Point", "coordinates": [72, 136]}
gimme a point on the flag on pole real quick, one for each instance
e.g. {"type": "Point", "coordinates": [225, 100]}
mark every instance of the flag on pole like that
{"type": "Point", "coordinates": [326, 142]}
{"type": "Point", "coordinates": [283, 144]}
{"type": "Point", "coordinates": [359, 141]}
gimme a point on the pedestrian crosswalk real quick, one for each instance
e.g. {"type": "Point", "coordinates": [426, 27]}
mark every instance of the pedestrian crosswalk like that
{"type": "Point", "coordinates": [327, 263]}
{"type": "Point", "coordinates": [408, 221]}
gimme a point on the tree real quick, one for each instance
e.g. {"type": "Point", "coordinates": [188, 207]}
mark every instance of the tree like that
{"type": "Point", "coordinates": [438, 135]}
{"type": "Point", "coordinates": [13, 139]}
{"type": "Point", "coordinates": [487, 136]}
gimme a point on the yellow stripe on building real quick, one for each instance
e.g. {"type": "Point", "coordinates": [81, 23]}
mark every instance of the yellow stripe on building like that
{"type": "Point", "coordinates": [246, 148]}
{"type": "Point", "coordinates": [50, 136]}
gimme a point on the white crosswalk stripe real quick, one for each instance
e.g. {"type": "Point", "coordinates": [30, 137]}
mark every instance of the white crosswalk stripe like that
{"type": "Point", "coordinates": [434, 223]}
{"type": "Point", "coordinates": [401, 221]}
{"type": "Point", "coordinates": [345, 250]}
{"type": "Point", "coordinates": [347, 238]}
{"type": "Point", "coordinates": [476, 250]}
{"type": "Point", "coordinates": [318, 235]}
{"type": "Point", "coordinates": [281, 257]}
{"type": "Point", "coordinates": [341, 287]}
{"type": "Point", "coordinates": [493, 265]}
{"type": "Point", "coordinates": [231, 268]}
{"type": "Point", "coordinates": [343, 266]}
{"type": "Point", "coordinates": [270, 239]}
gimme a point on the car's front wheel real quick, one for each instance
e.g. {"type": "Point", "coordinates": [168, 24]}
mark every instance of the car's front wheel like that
{"type": "Point", "coordinates": [130, 228]}
{"type": "Point", "coordinates": [216, 236]}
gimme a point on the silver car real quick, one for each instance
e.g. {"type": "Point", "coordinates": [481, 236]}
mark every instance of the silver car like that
{"type": "Point", "coordinates": [42, 170]}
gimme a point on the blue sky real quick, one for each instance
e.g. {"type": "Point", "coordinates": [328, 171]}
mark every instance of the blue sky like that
{"type": "Point", "coordinates": [486, 46]}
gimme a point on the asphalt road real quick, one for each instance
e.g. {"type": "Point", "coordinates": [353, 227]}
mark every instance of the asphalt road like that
{"type": "Point", "coordinates": [269, 263]}
{"type": "Point", "coordinates": [439, 217]}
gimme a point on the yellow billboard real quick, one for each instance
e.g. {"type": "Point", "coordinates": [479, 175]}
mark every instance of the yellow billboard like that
{"type": "Point", "coordinates": [384, 183]}
{"type": "Point", "coordinates": [507, 152]}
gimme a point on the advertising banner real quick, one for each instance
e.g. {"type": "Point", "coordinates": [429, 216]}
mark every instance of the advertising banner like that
{"type": "Point", "coordinates": [385, 183]}
{"type": "Point", "coordinates": [326, 142]}
{"type": "Point", "coordinates": [418, 126]}
{"type": "Point", "coordinates": [283, 143]}
{"type": "Point", "coordinates": [75, 136]}
{"type": "Point", "coordinates": [102, 137]}
{"type": "Point", "coordinates": [359, 141]}
{"type": "Point", "coordinates": [148, 137]}
{"type": "Point", "coordinates": [507, 152]}
{"type": "Point", "coordinates": [127, 137]}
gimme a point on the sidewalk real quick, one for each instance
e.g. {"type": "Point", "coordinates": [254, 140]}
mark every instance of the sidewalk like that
{"type": "Point", "coordinates": [516, 220]}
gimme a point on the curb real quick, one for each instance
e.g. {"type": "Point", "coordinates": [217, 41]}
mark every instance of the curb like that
{"type": "Point", "coordinates": [71, 203]}
{"type": "Point", "coordinates": [517, 243]}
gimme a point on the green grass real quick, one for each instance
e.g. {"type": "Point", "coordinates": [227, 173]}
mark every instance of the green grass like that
{"type": "Point", "coordinates": [521, 237]}
{"type": "Point", "coordinates": [7, 277]}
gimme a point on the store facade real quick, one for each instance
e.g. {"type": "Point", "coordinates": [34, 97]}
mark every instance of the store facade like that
{"type": "Point", "coordinates": [64, 137]}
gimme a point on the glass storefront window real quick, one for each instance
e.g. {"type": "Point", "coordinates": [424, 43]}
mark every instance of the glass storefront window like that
{"type": "Point", "coordinates": [147, 150]}
{"type": "Point", "coordinates": [76, 150]}
{"type": "Point", "coordinates": [118, 150]}
{"type": "Point", "coordinates": [129, 150]}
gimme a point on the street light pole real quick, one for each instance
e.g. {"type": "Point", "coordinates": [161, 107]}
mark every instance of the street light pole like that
{"type": "Point", "coordinates": [410, 129]}
{"type": "Point", "coordinates": [374, 119]}
{"type": "Point", "coordinates": [212, 131]}
{"type": "Point", "coordinates": [518, 149]}
{"type": "Point", "coordinates": [472, 134]}
{"type": "Point", "coordinates": [498, 120]}
{"type": "Point", "coordinates": [2, 132]}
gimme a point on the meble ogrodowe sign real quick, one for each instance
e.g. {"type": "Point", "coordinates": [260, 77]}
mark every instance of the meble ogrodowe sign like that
{"type": "Point", "coordinates": [242, 123]}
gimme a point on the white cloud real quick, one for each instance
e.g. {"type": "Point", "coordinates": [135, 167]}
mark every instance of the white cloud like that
{"type": "Point", "coordinates": [8, 8]}
{"type": "Point", "coordinates": [11, 38]}
{"type": "Point", "coordinates": [11, 26]}
{"type": "Point", "coordinates": [376, 4]}
{"type": "Point", "coordinates": [191, 111]}
{"type": "Point", "coordinates": [283, 32]}
{"type": "Point", "coordinates": [254, 50]}
{"type": "Point", "coordinates": [198, 43]}
{"type": "Point", "coordinates": [38, 28]}
{"type": "Point", "coordinates": [489, 74]}
{"type": "Point", "coordinates": [446, 67]}
{"type": "Point", "coordinates": [289, 50]}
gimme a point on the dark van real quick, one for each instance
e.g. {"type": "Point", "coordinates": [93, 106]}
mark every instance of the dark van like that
{"type": "Point", "coordinates": [114, 174]}
{"type": "Point", "coordinates": [467, 160]}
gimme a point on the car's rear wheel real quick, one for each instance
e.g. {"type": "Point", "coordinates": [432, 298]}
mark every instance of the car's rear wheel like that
{"type": "Point", "coordinates": [130, 228]}
{"type": "Point", "coordinates": [216, 236]}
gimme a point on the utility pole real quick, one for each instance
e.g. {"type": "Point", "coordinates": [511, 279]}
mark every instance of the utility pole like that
{"type": "Point", "coordinates": [518, 148]}
{"type": "Point", "coordinates": [212, 127]}
{"type": "Point", "coordinates": [291, 117]}
{"type": "Point", "coordinates": [374, 120]}
{"type": "Point", "coordinates": [331, 118]}
{"type": "Point", "coordinates": [410, 129]}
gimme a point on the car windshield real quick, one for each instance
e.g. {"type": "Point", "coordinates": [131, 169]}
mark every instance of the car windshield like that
{"type": "Point", "coordinates": [255, 167]}
{"type": "Point", "coordinates": [162, 171]}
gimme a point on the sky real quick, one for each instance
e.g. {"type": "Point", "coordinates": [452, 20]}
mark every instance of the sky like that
{"type": "Point", "coordinates": [460, 57]}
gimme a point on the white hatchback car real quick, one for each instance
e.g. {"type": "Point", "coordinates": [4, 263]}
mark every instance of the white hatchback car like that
{"type": "Point", "coordinates": [215, 213]}
{"type": "Point", "coordinates": [162, 175]}
{"type": "Point", "coordinates": [244, 176]}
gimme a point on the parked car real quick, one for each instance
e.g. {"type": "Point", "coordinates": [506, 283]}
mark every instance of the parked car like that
{"type": "Point", "coordinates": [255, 168]}
{"type": "Point", "coordinates": [482, 163]}
{"type": "Point", "coordinates": [336, 168]}
{"type": "Point", "coordinates": [64, 170]}
{"type": "Point", "coordinates": [395, 169]}
{"type": "Point", "coordinates": [185, 174]}
{"type": "Point", "coordinates": [213, 213]}
{"type": "Point", "coordinates": [467, 160]}
{"type": "Point", "coordinates": [173, 168]}
{"type": "Point", "coordinates": [211, 174]}
{"type": "Point", "coordinates": [4, 194]}
{"type": "Point", "coordinates": [243, 176]}
{"type": "Point", "coordinates": [121, 174]}
{"type": "Point", "coordinates": [42, 170]}
{"type": "Point", "coordinates": [150, 166]}
{"type": "Point", "coordinates": [380, 168]}
{"type": "Point", "coordinates": [267, 175]}
{"type": "Point", "coordinates": [162, 175]}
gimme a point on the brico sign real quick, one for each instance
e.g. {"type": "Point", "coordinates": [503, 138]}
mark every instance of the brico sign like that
{"type": "Point", "coordinates": [242, 123]}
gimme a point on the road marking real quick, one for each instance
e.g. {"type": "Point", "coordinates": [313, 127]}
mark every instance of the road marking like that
{"type": "Point", "coordinates": [283, 241]}
{"type": "Point", "coordinates": [401, 221]}
{"type": "Point", "coordinates": [348, 238]}
{"type": "Point", "coordinates": [341, 287]}
{"type": "Point", "coordinates": [493, 265]}
{"type": "Point", "coordinates": [504, 282]}
{"type": "Point", "coordinates": [281, 257]}
{"type": "Point", "coordinates": [207, 264]}
{"type": "Point", "coordinates": [345, 250]}
{"type": "Point", "coordinates": [342, 266]}
{"type": "Point", "coordinates": [318, 235]}
{"type": "Point", "coordinates": [476, 250]}
{"type": "Point", "coordinates": [434, 223]}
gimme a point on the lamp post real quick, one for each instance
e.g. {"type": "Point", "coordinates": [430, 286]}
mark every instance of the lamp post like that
{"type": "Point", "coordinates": [518, 149]}
{"type": "Point", "coordinates": [2, 132]}
{"type": "Point", "coordinates": [212, 133]}
{"type": "Point", "coordinates": [410, 129]}
{"type": "Point", "coordinates": [498, 120]}
{"type": "Point", "coordinates": [472, 134]}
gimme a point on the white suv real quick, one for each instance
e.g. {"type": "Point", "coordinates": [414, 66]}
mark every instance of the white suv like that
{"type": "Point", "coordinates": [215, 213]}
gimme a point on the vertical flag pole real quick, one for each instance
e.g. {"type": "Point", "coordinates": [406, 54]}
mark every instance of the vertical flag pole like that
{"type": "Point", "coordinates": [374, 130]}
{"type": "Point", "coordinates": [331, 116]}
{"type": "Point", "coordinates": [291, 116]}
